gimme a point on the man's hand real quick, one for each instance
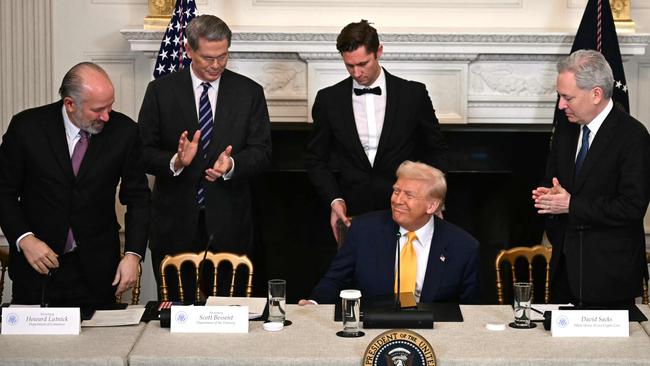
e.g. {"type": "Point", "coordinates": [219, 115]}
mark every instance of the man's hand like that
{"type": "Point", "coordinates": [221, 166]}
{"type": "Point", "coordinates": [554, 200]}
{"type": "Point", "coordinates": [304, 302]}
{"type": "Point", "coordinates": [187, 149]}
{"type": "Point", "coordinates": [127, 273]}
{"type": "Point", "coordinates": [38, 254]}
{"type": "Point", "coordinates": [539, 192]}
{"type": "Point", "coordinates": [339, 212]}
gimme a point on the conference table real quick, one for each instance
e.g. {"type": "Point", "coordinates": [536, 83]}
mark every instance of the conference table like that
{"type": "Point", "coordinates": [312, 340]}
{"type": "Point", "coordinates": [93, 346]}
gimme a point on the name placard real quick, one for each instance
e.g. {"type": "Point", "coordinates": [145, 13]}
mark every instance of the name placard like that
{"type": "Point", "coordinates": [18, 320]}
{"type": "Point", "coordinates": [209, 319]}
{"type": "Point", "coordinates": [590, 323]}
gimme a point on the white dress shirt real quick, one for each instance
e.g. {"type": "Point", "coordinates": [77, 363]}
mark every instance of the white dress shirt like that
{"type": "Point", "coordinates": [422, 246]}
{"type": "Point", "coordinates": [369, 110]}
{"type": "Point", "coordinates": [594, 125]}
{"type": "Point", "coordinates": [213, 91]}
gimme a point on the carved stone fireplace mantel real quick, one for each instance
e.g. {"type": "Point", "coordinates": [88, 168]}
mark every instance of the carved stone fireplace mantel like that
{"type": "Point", "coordinates": [505, 77]}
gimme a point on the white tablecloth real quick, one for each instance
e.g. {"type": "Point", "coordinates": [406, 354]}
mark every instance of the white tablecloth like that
{"type": "Point", "coordinates": [312, 340]}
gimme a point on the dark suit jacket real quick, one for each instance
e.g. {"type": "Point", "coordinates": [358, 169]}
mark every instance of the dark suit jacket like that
{"type": "Point", "coordinates": [39, 193]}
{"type": "Point", "coordinates": [410, 132]}
{"type": "Point", "coordinates": [608, 201]}
{"type": "Point", "coordinates": [366, 261]}
{"type": "Point", "coordinates": [241, 120]}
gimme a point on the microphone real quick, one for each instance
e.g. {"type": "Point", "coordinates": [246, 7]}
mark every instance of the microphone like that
{"type": "Point", "coordinates": [384, 317]}
{"type": "Point", "coordinates": [398, 305]}
{"type": "Point", "coordinates": [46, 280]}
{"type": "Point", "coordinates": [205, 255]}
{"type": "Point", "coordinates": [581, 230]}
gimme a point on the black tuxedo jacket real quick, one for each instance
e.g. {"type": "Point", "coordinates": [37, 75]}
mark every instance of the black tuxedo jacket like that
{"type": "Point", "coordinates": [39, 193]}
{"type": "Point", "coordinates": [410, 132]}
{"type": "Point", "coordinates": [241, 120]}
{"type": "Point", "coordinates": [366, 261]}
{"type": "Point", "coordinates": [608, 202]}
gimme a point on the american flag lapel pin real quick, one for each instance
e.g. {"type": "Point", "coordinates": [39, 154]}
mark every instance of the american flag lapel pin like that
{"type": "Point", "coordinates": [442, 257]}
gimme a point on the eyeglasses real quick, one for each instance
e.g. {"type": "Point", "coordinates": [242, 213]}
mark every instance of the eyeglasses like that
{"type": "Point", "coordinates": [210, 60]}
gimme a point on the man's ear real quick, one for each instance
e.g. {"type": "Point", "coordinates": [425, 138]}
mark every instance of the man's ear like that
{"type": "Point", "coordinates": [598, 94]}
{"type": "Point", "coordinates": [432, 206]}
{"type": "Point", "coordinates": [69, 104]}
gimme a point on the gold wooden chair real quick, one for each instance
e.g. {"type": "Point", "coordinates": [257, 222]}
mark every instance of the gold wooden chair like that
{"type": "Point", "coordinates": [529, 254]}
{"type": "Point", "coordinates": [177, 261]}
{"type": "Point", "coordinates": [4, 264]}
{"type": "Point", "coordinates": [644, 297]}
{"type": "Point", "coordinates": [135, 291]}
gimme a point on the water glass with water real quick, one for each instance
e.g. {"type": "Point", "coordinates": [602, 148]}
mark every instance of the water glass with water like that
{"type": "Point", "coordinates": [351, 302]}
{"type": "Point", "coordinates": [277, 300]}
{"type": "Point", "coordinates": [522, 296]}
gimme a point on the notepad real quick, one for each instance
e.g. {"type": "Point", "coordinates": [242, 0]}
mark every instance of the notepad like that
{"type": "Point", "coordinates": [255, 304]}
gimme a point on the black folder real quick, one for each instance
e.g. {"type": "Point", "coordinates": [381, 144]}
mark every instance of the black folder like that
{"type": "Point", "coordinates": [442, 312]}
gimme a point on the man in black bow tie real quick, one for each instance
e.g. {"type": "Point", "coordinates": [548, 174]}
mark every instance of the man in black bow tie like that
{"type": "Point", "coordinates": [365, 126]}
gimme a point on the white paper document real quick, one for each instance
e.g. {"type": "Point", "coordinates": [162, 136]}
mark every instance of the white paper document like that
{"type": "Point", "coordinates": [113, 318]}
{"type": "Point", "coordinates": [255, 304]}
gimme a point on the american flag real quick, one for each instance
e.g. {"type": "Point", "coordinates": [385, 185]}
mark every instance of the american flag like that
{"type": "Point", "coordinates": [172, 56]}
{"type": "Point", "coordinates": [597, 31]}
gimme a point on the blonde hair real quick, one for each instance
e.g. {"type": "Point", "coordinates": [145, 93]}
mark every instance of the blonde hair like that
{"type": "Point", "coordinates": [434, 177]}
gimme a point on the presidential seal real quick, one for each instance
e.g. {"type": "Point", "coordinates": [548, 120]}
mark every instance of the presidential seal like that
{"type": "Point", "coordinates": [399, 347]}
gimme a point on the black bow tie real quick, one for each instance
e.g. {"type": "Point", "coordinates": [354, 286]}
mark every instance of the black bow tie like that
{"type": "Point", "coordinates": [376, 90]}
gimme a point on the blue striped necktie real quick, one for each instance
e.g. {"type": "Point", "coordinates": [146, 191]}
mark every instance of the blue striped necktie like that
{"type": "Point", "coordinates": [205, 125]}
{"type": "Point", "coordinates": [583, 150]}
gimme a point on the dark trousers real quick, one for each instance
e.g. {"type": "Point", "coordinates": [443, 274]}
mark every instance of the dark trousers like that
{"type": "Point", "coordinates": [65, 286]}
{"type": "Point", "coordinates": [561, 292]}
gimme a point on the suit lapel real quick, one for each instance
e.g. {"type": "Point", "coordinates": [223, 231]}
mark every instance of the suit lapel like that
{"type": "Point", "coordinates": [389, 232]}
{"type": "Point", "coordinates": [55, 131]}
{"type": "Point", "coordinates": [223, 123]}
{"type": "Point", "coordinates": [93, 152]}
{"type": "Point", "coordinates": [349, 124]}
{"type": "Point", "coordinates": [186, 101]}
{"type": "Point", "coordinates": [436, 263]}
{"type": "Point", "coordinates": [570, 148]}
{"type": "Point", "coordinates": [389, 115]}
{"type": "Point", "coordinates": [597, 148]}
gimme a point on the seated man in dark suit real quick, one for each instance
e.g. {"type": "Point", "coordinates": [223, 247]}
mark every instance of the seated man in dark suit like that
{"type": "Point", "coordinates": [439, 261]}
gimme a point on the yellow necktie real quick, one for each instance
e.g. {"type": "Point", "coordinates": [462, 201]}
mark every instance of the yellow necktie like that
{"type": "Point", "coordinates": [408, 265]}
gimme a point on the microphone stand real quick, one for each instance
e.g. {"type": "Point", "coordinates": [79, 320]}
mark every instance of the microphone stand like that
{"type": "Point", "coordinates": [581, 230]}
{"type": "Point", "coordinates": [201, 266]}
{"type": "Point", "coordinates": [396, 318]}
{"type": "Point", "coordinates": [398, 304]}
{"type": "Point", "coordinates": [46, 281]}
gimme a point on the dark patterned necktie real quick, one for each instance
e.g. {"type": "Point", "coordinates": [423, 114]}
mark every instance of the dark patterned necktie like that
{"type": "Point", "coordinates": [583, 149]}
{"type": "Point", "coordinates": [205, 125]}
{"type": "Point", "coordinates": [77, 156]}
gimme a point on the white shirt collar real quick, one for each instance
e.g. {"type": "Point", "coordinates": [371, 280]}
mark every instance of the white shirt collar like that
{"type": "Point", "coordinates": [196, 82]}
{"type": "Point", "coordinates": [595, 123]}
{"type": "Point", "coordinates": [424, 234]}
{"type": "Point", "coordinates": [71, 130]}
{"type": "Point", "coordinates": [380, 82]}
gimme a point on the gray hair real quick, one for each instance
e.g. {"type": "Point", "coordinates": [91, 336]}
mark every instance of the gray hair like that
{"type": "Point", "coordinates": [209, 27]}
{"type": "Point", "coordinates": [434, 177]}
{"type": "Point", "coordinates": [72, 84]}
{"type": "Point", "coordinates": [591, 70]}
